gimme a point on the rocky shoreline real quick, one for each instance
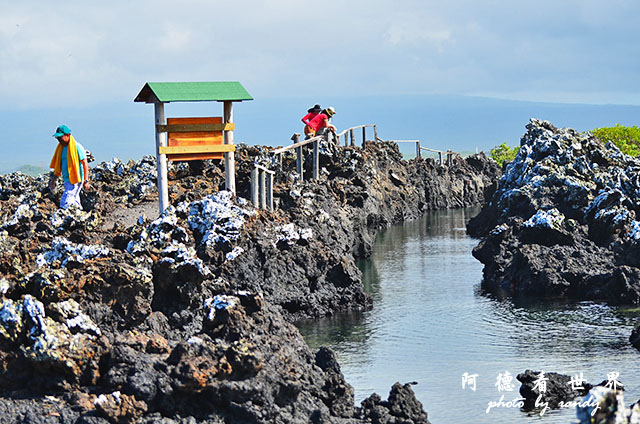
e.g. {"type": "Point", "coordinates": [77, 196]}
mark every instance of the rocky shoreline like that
{"type": "Point", "coordinates": [562, 222]}
{"type": "Point", "coordinates": [186, 317]}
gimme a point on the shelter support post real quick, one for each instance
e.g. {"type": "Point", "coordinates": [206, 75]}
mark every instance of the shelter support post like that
{"type": "Point", "coordinates": [161, 159]}
{"type": "Point", "coordinates": [229, 157]}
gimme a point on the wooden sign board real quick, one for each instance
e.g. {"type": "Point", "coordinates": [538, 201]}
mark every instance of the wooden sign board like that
{"type": "Point", "coordinates": [194, 139]}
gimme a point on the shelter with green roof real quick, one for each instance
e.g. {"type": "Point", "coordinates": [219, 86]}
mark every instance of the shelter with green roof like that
{"type": "Point", "coordinates": [193, 138]}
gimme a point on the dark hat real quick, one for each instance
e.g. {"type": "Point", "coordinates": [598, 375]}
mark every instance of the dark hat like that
{"type": "Point", "coordinates": [316, 108]}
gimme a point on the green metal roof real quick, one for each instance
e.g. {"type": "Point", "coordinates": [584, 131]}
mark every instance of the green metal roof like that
{"type": "Point", "coordinates": [164, 92]}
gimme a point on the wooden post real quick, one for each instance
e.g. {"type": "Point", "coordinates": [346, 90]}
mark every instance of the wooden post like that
{"type": "Point", "coordinates": [229, 157]}
{"type": "Point", "coordinates": [263, 193]}
{"type": "Point", "coordinates": [375, 133]}
{"type": "Point", "coordinates": [316, 160]}
{"type": "Point", "coordinates": [269, 204]}
{"type": "Point", "coordinates": [254, 187]}
{"type": "Point", "coordinates": [161, 140]}
{"type": "Point", "coordinates": [440, 157]}
{"type": "Point", "coordinates": [353, 137]}
{"type": "Point", "coordinates": [364, 135]}
{"type": "Point", "coordinates": [300, 162]}
{"type": "Point", "coordinates": [418, 153]}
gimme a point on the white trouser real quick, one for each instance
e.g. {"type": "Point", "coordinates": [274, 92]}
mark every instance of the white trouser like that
{"type": "Point", "coordinates": [71, 195]}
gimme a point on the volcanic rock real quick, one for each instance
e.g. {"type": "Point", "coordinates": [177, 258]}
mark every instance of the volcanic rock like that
{"type": "Point", "coordinates": [562, 220]}
{"type": "Point", "coordinates": [119, 314]}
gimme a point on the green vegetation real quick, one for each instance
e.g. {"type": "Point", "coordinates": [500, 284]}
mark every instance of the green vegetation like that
{"type": "Point", "coordinates": [626, 138]}
{"type": "Point", "coordinates": [503, 153]}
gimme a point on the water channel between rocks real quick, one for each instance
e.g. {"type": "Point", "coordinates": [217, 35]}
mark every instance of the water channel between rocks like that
{"type": "Point", "coordinates": [431, 323]}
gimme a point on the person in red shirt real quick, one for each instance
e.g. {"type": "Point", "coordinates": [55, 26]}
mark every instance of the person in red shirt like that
{"type": "Point", "coordinates": [311, 113]}
{"type": "Point", "coordinates": [320, 122]}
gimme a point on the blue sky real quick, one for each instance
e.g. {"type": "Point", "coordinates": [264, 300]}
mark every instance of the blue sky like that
{"type": "Point", "coordinates": [79, 59]}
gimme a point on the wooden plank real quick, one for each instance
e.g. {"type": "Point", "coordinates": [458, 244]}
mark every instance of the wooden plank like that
{"type": "Point", "coordinates": [175, 150]}
{"type": "Point", "coordinates": [195, 138]}
{"type": "Point", "coordinates": [195, 127]}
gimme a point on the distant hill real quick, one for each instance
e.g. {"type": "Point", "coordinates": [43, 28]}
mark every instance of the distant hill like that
{"type": "Point", "coordinates": [30, 170]}
{"type": "Point", "coordinates": [459, 123]}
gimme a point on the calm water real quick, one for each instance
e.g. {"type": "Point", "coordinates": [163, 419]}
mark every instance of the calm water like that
{"type": "Point", "coordinates": [431, 323]}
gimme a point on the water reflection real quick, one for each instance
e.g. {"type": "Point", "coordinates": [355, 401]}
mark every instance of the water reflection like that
{"type": "Point", "coordinates": [431, 323]}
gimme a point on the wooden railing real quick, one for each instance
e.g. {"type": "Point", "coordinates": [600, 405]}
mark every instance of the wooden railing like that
{"type": "Point", "coordinates": [349, 134]}
{"type": "Point", "coordinates": [262, 177]}
{"type": "Point", "coordinates": [419, 149]}
{"type": "Point", "coordinates": [262, 187]}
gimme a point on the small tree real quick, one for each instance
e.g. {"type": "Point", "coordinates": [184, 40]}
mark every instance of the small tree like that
{"type": "Point", "coordinates": [626, 138]}
{"type": "Point", "coordinates": [503, 153]}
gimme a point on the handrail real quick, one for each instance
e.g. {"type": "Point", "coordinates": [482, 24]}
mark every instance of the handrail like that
{"type": "Point", "coordinates": [296, 145]}
{"type": "Point", "coordinates": [354, 128]}
{"type": "Point", "coordinates": [437, 151]}
{"type": "Point", "coordinates": [262, 168]}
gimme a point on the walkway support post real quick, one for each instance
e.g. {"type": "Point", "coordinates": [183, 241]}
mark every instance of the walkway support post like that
{"type": "Point", "coordinates": [269, 188]}
{"type": "Point", "coordinates": [263, 192]}
{"type": "Point", "coordinates": [418, 153]}
{"type": "Point", "coordinates": [316, 160]}
{"type": "Point", "coordinates": [229, 157]}
{"type": "Point", "coordinates": [161, 159]}
{"type": "Point", "coordinates": [300, 163]}
{"type": "Point", "coordinates": [364, 134]}
{"type": "Point", "coordinates": [254, 187]}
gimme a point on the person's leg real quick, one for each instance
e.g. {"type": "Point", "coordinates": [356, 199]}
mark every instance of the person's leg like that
{"type": "Point", "coordinates": [71, 195]}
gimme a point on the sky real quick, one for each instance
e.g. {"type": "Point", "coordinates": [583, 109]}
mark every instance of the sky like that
{"type": "Point", "coordinates": [76, 55]}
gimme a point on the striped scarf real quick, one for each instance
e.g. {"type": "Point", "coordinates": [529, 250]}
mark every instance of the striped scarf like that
{"type": "Point", "coordinates": [72, 161]}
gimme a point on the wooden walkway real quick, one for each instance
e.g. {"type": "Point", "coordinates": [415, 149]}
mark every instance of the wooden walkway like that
{"type": "Point", "coordinates": [262, 177]}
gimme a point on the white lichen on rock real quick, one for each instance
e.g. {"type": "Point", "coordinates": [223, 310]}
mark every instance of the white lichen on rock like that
{"type": "Point", "coordinates": [63, 251]}
{"type": "Point", "coordinates": [552, 219]}
{"type": "Point", "coordinates": [217, 219]}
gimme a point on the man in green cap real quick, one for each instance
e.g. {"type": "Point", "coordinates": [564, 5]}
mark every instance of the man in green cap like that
{"type": "Point", "coordinates": [70, 162]}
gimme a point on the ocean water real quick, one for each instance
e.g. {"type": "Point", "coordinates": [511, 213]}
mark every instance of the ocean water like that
{"type": "Point", "coordinates": [431, 323]}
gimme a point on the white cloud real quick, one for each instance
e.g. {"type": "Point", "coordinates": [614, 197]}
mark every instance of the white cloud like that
{"type": "Point", "coordinates": [105, 52]}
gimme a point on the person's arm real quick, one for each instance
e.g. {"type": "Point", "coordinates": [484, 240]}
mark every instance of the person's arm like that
{"type": "Point", "coordinates": [85, 168]}
{"type": "Point", "coordinates": [329, 125]}
{"type": "Point", "coordinates": [306, 118]}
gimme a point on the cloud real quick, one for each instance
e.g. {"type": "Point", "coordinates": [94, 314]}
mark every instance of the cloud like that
{"type": "Point", "coordinates": [412, 30]}
{"type": "Point", "coordinates": [82, 53]}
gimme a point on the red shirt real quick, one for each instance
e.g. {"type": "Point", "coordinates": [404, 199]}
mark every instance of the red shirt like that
{"type": "Point", "coordinates": [308, 117]}
{"type": "Point", "coordinates": [318, 122]}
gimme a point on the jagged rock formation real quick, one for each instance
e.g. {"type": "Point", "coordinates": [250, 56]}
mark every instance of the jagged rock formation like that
{"type": "Point", "coordinates": [110, 317]}
{"type": "Point", "coordinates": [563, 220]}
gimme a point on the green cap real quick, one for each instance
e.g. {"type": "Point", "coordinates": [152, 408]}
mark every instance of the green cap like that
{"type": "Point", "coordinates": [62, 130]}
